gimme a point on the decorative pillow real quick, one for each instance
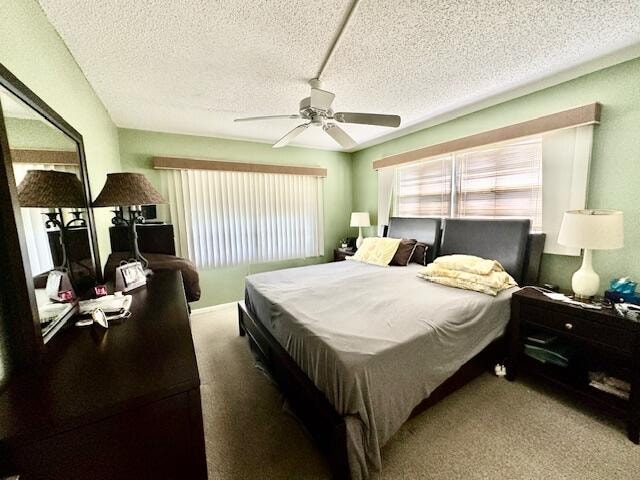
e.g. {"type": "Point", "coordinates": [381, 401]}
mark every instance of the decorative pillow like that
{"type": "Point", "coordinates": [404, 252]}
{"type": "Point", "coordinates": [377, 250]}
{"type": "Point", "coordinates": [420, 253]}
{"type": "Point", "coordinates": [462, 284]}
{"type": "Point", "coordinates": [470, 273]}
{"type": "Point", "coordinates": [497, 280]}
{"type": "Point", "coordinates": [469, 263]}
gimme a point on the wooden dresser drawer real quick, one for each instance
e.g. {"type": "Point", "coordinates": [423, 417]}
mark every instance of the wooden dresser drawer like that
{"type": "Point", "coordinates": [149, 443]}
{"type": "Point", "coordinates": [573, 325]}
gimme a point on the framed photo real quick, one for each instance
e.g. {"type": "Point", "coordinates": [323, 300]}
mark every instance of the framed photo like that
{"type": "Point", "coordinates": [129, 276]}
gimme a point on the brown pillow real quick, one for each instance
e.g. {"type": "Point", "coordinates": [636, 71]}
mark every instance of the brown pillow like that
{"type": "Point", "coordinates": [404, 253]}
{"type": "Point", "coordinates": [420, 253]}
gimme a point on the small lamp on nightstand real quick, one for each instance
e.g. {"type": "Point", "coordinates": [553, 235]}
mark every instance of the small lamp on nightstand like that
{"type": "Point", "coordinates": [590, 230]}
{"type": "Point", "coordinates": [360, 219]}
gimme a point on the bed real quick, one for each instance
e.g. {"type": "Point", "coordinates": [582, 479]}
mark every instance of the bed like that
{"type": "Point", "coordinates": [337, 357]}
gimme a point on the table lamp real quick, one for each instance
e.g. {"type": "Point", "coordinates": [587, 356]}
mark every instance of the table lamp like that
{"type": "Point", "coordinates": [130, 190]}
{"type": "Point", "coordinates": [590, 230]}
{"type": "Point", "coordinates": [55, 190]}
{"type": "Point", "coordinates": [360, 219]}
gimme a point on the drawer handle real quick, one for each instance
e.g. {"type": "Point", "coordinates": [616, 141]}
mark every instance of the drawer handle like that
{"type": "Point", "coordinates": [568, 326]}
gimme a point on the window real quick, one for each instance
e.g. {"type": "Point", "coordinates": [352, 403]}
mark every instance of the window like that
{"type": "Point", "coordinates": [424, 189]}
{"type": "Point", "coordinates": [499, 181]}
{"type": "Point", "coordinates": [225, 218]}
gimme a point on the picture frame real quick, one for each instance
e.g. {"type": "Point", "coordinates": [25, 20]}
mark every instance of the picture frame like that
{"type": "Point", "coordinates": [130, 276]}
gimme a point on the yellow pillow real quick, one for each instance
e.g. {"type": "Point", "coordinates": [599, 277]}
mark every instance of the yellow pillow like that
{"type": "Point", "coordinates": [377, 250]}
{"type": "Point", "coordinates": [497, 280]}
{"type": "Point", "coordinates": [469, 263]}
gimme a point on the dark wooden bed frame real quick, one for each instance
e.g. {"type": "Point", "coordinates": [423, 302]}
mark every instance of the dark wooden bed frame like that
{"type": "Point", "coordinates": [311, 406]}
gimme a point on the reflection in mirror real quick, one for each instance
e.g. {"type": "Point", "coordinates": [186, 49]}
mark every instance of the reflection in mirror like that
{"type": "Point", "coordinates": [46, 168]}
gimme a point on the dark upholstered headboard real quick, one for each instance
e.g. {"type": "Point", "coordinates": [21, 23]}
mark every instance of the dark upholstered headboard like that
{"type": "Point", "coordinates": [426, 230]}
{"type": "Point", "coordinates": [501, 240]}
{"type": "Point", "coordinates": [507, 241]}
{"type": "Point", "coordinates": [152, 238]}
{"type": "Point", "coordinates": [533, 259]}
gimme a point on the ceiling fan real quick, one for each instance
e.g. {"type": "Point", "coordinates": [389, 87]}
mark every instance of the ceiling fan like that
{"type": "Point", "coordinates": [316, 109]}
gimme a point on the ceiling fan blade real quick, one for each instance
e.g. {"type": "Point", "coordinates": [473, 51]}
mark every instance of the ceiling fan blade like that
{"type": "Point", "coordinates": [291, 135]}
{"type": "Point", "coordinates": [368, 118]}
{"type": "Point", "coordinates": [269, 117]}
{"type": "Point", "coordinates": [339, 135]}
{"type": "Point", "coordinates": [321, 99]}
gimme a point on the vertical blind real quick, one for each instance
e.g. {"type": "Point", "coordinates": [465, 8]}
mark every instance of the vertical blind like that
{"type": "Point", "coordinates": [500, 181]}
{"type": "Point", "coordinates": [225, 218]}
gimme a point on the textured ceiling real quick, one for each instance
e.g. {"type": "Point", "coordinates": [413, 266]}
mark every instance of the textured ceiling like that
{"type": "Point", "coordinates": [192, 66]}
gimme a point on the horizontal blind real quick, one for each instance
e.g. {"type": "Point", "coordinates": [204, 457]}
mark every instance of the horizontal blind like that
{"type": "Point", "coordinates": [227, 218]}
{"type": "Point", "coordinates": [424, 189]}
{"type": "Point", "coordinates": [501, 182]}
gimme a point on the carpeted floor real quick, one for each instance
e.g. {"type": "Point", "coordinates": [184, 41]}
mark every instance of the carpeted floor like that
{"type": "Point", "coordinates": [489, 429]}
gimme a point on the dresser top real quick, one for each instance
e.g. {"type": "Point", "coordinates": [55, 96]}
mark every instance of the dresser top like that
{"type": "Point", "coordinates": [91, 373]}
{"type": "Point", "coordinates": [605, 315]}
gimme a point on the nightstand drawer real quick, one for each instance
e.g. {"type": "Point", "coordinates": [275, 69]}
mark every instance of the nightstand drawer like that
{"type": "Point", "coordinates": [576, 326]}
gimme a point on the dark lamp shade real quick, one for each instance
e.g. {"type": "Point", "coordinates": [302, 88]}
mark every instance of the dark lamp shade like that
{"type": "Point", "coordinates": [51, 189]}
{"type": "Point", "coordinates": [126, 189]}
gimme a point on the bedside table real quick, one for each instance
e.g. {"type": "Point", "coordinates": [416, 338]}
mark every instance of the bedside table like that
{"type": "Point", "coordinates": [601, 340]}
{"type": "Point", "coordinates": [339, 254]}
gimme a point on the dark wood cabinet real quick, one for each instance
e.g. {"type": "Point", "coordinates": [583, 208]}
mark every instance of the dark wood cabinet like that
{"type": "Point", "coordinates": [599, 339]}
{"type": "Point", "coordinates": [121, 403]}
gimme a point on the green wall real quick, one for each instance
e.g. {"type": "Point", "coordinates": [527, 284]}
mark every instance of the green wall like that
{"type": "Point", "coordinates": [26, 133]}
{"type": "Point", "coordinates": [223, 285]}
{"type": "Point", "coordinates": [32, 50]}
{"type": "Point", "coordinates": [615, 166]}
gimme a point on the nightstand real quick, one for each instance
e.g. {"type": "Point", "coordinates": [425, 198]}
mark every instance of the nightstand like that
{"type": "Point", "coordinates": [339, 254]}
{"type": "Point", "coordinates": [599, 340]}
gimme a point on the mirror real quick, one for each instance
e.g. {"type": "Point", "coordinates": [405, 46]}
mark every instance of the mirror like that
{"type": "Point", "coordinates": [56, 223]}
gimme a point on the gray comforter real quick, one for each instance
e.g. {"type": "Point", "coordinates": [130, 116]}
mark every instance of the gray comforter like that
{"type": "Point", "coordinates": [375, 340]}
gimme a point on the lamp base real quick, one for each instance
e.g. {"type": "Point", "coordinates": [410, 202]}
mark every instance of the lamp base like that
{"type": "Point", "coordinates": [585, 283]}
{"type": "Point", "coordinates": [360, 239]}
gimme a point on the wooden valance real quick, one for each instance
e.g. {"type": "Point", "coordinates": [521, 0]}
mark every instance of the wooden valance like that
{"type": "Point", "coordinates": [172, 163]}
{"type": "Point", "coordinates": [51, 157]}
{"type": "Point", "coordinates": [574, 117]}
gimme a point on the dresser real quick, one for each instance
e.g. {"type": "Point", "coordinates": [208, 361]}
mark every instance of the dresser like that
{"type": "Point", "coordinates": [599, 341]}
{"type": "Point", "coordinates": [117, 403]}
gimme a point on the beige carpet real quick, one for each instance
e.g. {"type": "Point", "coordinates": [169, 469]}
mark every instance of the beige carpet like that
{"type": "Point", "coordinates": [490, 429]}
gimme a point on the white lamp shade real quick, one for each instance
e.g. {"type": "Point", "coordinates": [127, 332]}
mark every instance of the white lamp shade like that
{"type": "Point", "coordinates": [360, 219]}
{"type": "Point", "coordinates": [592, 229]}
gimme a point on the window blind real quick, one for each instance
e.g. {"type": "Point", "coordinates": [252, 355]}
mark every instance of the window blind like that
{"type": "Point", "coordinates": [497, 181]}
{"type": "Point", "coordinates": [225, 218]}
{"type": "Point", "coordinates": [501, 182]}
{"type": "Point", "coordinates": [537, 177]}
{"type": "Point", "coordinates": [424, 189]}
